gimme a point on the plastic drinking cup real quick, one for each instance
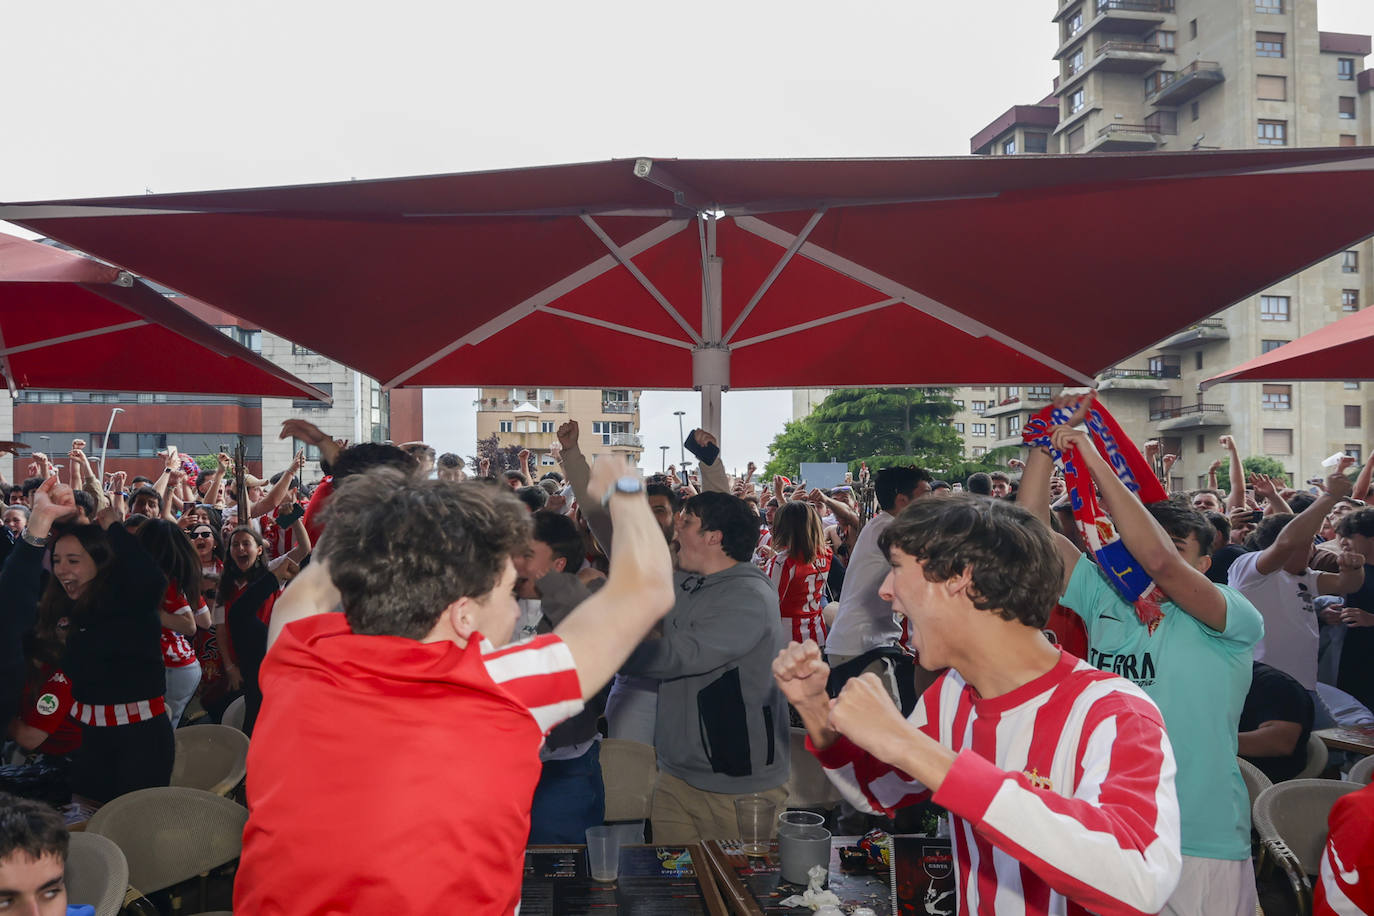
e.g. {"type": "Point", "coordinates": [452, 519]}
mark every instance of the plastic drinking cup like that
{"type": "Point", "coordinates": [603, 852]}
{"type": "Point", "coordinates": [755, 816]}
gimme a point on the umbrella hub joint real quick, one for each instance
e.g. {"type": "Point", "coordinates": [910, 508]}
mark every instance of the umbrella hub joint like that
{"type": "Point", "coordinates": [125, 279]}
{"type": "Point", "coordinates": [711, 366]}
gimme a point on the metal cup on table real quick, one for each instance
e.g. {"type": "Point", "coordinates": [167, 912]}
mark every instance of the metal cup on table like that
{"type": "Point", "coordinates": [801, 848]}
{"type": "Point", "coordinates": [755, 816]}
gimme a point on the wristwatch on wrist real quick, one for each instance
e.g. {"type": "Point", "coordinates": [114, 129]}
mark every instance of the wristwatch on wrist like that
{"type": "Point", "coordinates": [628, 484]}
{"type": "Point", "coordinates": [31, 540]}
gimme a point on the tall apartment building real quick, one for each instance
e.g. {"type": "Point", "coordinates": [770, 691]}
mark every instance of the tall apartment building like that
{"type": "Point", "coordinates": [48, 420]}
{"type": "Point", "coordinates": [1143, 75]}
{"type": "Point", "coordinates": [608, 420]}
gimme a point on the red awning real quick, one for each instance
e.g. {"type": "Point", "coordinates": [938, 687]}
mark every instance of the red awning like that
{"type": "Point", "coordinates": [69, 322]}
{"type": "Point", "coordinates": [746, 274]}
{"type": "Point", "coordinates": [1340, 352]}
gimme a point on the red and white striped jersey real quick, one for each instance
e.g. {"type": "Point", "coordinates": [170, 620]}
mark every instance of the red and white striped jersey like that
{"type": "Point", "coordinates": [1061, 799]}
{"type": "Point", "coordinates": [176, 649]}
{"type": "Point", "coordinates": [540, 674]}
{"type": "Point", "coordinates": [800, 587]}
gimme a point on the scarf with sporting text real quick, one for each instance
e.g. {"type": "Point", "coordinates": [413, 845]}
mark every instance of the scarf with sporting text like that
{"type": "Point", "coordinates": [1095, 525]}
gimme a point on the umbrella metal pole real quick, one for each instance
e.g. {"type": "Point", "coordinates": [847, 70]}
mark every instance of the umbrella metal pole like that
{"type": "Point", "coordinates": [105, 443]}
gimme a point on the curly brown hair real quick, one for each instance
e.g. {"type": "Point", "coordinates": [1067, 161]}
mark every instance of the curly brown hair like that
{"type": "Point", "coordinates": [1016, 570]}
{"type": "Point", "coordinates": [401, 550]}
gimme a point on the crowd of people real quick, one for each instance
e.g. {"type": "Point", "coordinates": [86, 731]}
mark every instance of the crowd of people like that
{"type": "Point", "coordinates": [959, 642]}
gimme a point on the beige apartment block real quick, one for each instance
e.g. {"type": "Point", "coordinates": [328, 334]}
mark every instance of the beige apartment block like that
{"type": "Point", "coordinates": [608, 420]}
{"type": "Point", "coordinates": [1146, 75]}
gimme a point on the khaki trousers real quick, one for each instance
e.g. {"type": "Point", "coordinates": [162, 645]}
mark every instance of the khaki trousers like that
{"type": "Point", "coordinates": [682, 813]}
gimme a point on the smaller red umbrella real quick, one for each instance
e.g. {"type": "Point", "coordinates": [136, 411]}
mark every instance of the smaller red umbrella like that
{"type": "Point", "coordinates": [1343, 351]}
{"type": "Point", "coordinates": [70, 322]}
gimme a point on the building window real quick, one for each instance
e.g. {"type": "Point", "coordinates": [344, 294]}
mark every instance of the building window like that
{"type": "Point", "coordinates": [1345, 68]}
{"type": "Point", "coordinates": [958, 404]}
{"type": "Point", "coordinates": [959, 428]}
{"type": "Point", "coordinates": [1272, 88]}
{"type": "Point", "coordinates": [308, 404]}
{"type": "Point", "coordinates": [1165, 366]}
{"type": "Point", "coordinates": [979, 451]}
{"type": "Point", "coordinates": [1347, 107]}
{"type": "Point", "coordinates": [1157, 81]}
{"type": "Point", "coordinates": [1036, 142]}
{"type": "Point", "coordinates": [1352, 417]}
{"type": "Point", "coordinates": [1350, 262]}
{"type": "Point", "coordinates": [1192, 28]}
{"type": "Point", "coordinates": [298, 350]}
{"type": "Point", "coordinates": [1014, 425]}
{"type": "Point", "coordinates": [1277, 397]}
{"type": "Point", "coordinates": [980, 429]}
{"type": "Point", "coordinates": [1009, 147]}
{"type": "Point", "coordinates": [546, 426]}
{"type": "Point", "coordinates": [1075, 139]}
{"type": "Point", "coordinates": [1351, 386]}
{"type": "Point", "coordinates": [1269, 44]}
{"type": "Point", "coordinates": [1075, 62]}
{"type": "Point", "coordinates": [1195, 110]}
{"type": "Point", "coordinates": [1197, 360]}
{"type": "Point", "coordinates": [1350, 300]}
{"type": "Point", "coordinates": [1162, 40]}
{"type": "Point", "coordinates": [980, 406]}
{"type": "Point", "coordinates": [1077, 100]}
{"type": "Point", "coordinates": [1278, 442]}
{"type": "Point", "coordinates": [1014, 391]}
{"type": "Point", "coordinates": [1353, 450]}
{"type": "Point", "coordinates": [312, 452]}
{"type": "Point", "coordinates": [242, 336]}
{"type": "Point", "coordinates": [149, 444]}
{"type": "Point", "coordinates": [506, 426]}
{"type": "Point", "coordinates": [1272, 133]}
{"type": "Point", "coordinates": [1165, 407]}
{"type": "Point", "coordinates": [608, 428]}
{"type": "Point", "coordinates": [1075, 23]}
{"type": "Point", "coordinates": [1201, 443]}
{"type": "Point", "coordinates": [1269, 6]}
{"type": "Point", "coordinates": [1274, 308]}
{"type": "Point", "coordinates": [1348, 140]}
{"type": "Point", "coordinates": [1268, 345]}
{"type": "Point", "coordinates": [1039, 393]}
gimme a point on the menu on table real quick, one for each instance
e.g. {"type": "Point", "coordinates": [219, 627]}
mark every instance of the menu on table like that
{"type": "Point", "coordinates": [653, 881]}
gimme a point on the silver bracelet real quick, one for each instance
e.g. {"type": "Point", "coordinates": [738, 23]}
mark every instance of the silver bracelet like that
{"type": "Point", "coordinates": [32, 540]}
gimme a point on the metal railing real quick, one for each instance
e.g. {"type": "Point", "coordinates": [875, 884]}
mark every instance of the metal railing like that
{"type": "Point", "coordinates": [1136, 6]}
{"type": "Point", "coordinates": [625, 440]}
{"type": "Point", "coordinates": [1178, 76]}
{"type": "Point", "coordinates": [1150, 373]}
{"type": "Point", "coordinates": [509, 404]}
{"type": "Point", "coordinates": [1169, 413]}
{"type": "Point", "coordinates": [619, 406]}
{"type": "Point", "coordinates": [1134, 47]}
{"type": "Point", "coordinates": [1146, 130]}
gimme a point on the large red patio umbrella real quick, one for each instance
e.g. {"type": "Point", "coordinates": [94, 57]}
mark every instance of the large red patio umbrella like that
{"type": "Point", "coordinates": [747, 274]}
{"type": "Point", "coordinates": [1343, 351]}
{"type": "Point", "coordinates": [70, 322]}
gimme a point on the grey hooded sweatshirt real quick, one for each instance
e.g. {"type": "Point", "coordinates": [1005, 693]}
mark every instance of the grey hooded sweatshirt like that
{"type": "Point", "coordinates": [722, 722]}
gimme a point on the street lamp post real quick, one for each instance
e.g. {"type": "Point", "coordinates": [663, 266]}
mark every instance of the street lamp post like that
{"type": "Point", "coordinates": [664, 465]}
{"type": "Point", "coordinates": [105, 443]}
{"type": "Point", "coordinates": [682, 441]}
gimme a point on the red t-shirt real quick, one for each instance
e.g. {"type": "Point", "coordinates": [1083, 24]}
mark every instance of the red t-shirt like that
{"type": "Point", "coordinates": [1066, 630]}
{"type": "Point", "coordinates": [176, 649]}
{"type": "Point", "coordinates": [800, 587]}
{"type": "Point", "coordinates": [314, 509]}
{"type": "Point", "coordinates": [47, 708]}
{"type": "Point", "coordinates": [1346, 882]}
{"type": "Point", "coordinates": [392, 776]}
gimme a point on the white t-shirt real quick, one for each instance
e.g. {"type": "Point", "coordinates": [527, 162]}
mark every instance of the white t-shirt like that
{"type": "Point", "coordinates": [1290, 619]}
{"type": "Point", "coordinates": [864, 621]}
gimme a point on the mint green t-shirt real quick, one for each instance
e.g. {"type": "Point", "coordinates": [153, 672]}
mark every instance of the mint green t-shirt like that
{"type": "Point", "coordinates": [1198, 678]}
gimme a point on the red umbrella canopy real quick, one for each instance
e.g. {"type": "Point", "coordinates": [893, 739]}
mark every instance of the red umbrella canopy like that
{"type": "Point", "coordinates": [747, 274]}
{"type": "Point", "coordinates": [1343, 351]}
{"type": "Point", "coordinates": [73, 323]}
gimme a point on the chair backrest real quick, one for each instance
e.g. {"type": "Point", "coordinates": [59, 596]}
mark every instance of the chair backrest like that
{"type": "Point", "coordinates": [628, 768]}
{"type": "Point", "coordinates": [1361, 772]}
{"type": "Point", "coordinates": [807, 784]}
{"type": "Point", "coordinates": [1255, 780]}
{"type": "Point", "coordinates": [97, 873]}
{"type": "Point", "coordinates": [171, 834]}
{"type": "Point", "coordinates": [210, 757]}
{"type": "Point", "coordinates": [1295, 812]}
{"type": "Point", "coordinates": [234, 713]}
{"type": "Point", "coordinates": [1316, 758]}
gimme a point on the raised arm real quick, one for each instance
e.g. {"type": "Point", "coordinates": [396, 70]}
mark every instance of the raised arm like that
{"type": "Point", "coordinates": [1236, 498]}
{"type": "Point", "coordinates": [1349, 579]}
{"type": "Point", "coordinates": [1148, 543]}
{"type": "Point", "coordinates": [1296, 537]}
{"type": "Point", "coordinates": [309, 433]}
{"type": "Point", "coordinates": [713, 476]}
{"type": "Point", "coordinates": [1266, 486]}
{"type": "Point", "coordinates": [279, 489]}
{"type": "Point", "coordinates": [1033, 495]}
{"type": "Point", "coordinates": [524, 467]}
{"type": "Point", "coordinates": [603, 630]}
{"type": "Point", "coordinates": [1362, 482]}
{"type": "Point", "coordinates": [841, 511]}
{"type": "Point", "coordinates": [1212, 474]}
{"type": "Point", "coordinates": [579, 475]}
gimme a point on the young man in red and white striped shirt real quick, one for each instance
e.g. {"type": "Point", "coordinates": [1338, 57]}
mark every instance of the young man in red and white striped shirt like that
{"type": "Point", "coordinates": [1059, 778]}
{"type": "Point", "coordinates": [396, 754]}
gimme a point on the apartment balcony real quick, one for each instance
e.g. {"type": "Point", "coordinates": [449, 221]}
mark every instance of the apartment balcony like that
{"type": "Point", "coordinates": [1128, 57]}
{"type": "Point", "coordinates": [1131, 17]}
{"type": "Point", "coordinates": [1207, 331]}
{"type": "Point", "coordinates": [1190, 416]}
{"type": "Point", "coordinates": [619, 406]}
{"type": "Point", "coordinates": [1002, 408]}
{"type": "Point", "coordinates": [508, 405]}
{"type": "Point", "coordinates": [1120, 137]}
{"type": "Point", "coordinates": [535, 442]}
{"type": "Point", "coordinates": [623, 440]}
{"type": "Point", "coordinates": [1146, 380]}
{"type": "Point", "coordinates": [1187, 83]}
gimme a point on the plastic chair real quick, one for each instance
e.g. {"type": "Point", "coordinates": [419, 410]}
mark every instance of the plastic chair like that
{"type": "Point", "coordinates": [210, 757]}
{"type": "Point", "coordinates": [1291, 819]}
{"type": "Point", "coordinates": [97, 873]}
{"type": "Point", "coordinates": [1255, 780]}
{"type": "Point", "coordinates": [807, 784]}
{"type": "Point", "coordinates": [234, 713]}
{"type": "Point", "coordinates": [629, 769]}
{"type": "Point", "coordinates": [1316, 758]}
{"type": "Point", "coordinates": [1362, 771]}
{"type": "Point", "coordinates": [172, 834]}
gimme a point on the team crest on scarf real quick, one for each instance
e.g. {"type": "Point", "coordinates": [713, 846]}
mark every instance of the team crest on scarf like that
{"type": "Point", "coordinates": [1095, 526]}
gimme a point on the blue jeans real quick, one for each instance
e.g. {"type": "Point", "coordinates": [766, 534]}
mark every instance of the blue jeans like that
{"type": "Point", "coordinates": [570, 798]}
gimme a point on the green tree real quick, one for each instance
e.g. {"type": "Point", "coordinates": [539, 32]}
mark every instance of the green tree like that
{"type": "Point", "coordinates": [1262, 464]}
{"type": "Point", "coordinates": [877, 426]}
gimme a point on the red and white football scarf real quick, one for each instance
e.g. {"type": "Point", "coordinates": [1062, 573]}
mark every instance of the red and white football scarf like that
{"type": "Point", "coordinates": [1095, 525]}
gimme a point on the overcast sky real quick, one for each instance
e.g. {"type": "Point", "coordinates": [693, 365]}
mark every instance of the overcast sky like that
{"type": "Point", "coordinates": [107, 99]}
